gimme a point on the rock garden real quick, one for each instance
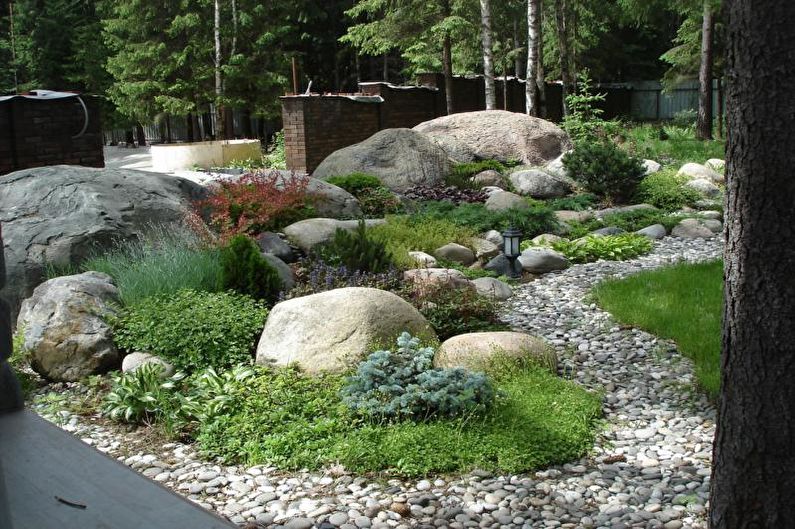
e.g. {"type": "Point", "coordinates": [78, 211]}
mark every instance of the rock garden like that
{"type": "Point", "coordinates": [355, 349]}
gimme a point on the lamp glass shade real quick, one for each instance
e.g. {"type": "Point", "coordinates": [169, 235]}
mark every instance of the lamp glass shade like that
{"type": "Point", "coordinates": [511, 239]}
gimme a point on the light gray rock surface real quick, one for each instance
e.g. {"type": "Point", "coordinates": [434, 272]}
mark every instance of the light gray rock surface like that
{"type": "Point", "coordinates": [455, 252]}
{"type": "Point", "coordinates": [334, 330]}
{"type": "Point", "coordinates": [706, 187]}
{"type": "Point", "coordinates": [539, 184]}
{"type": "Point", "coordinates": [502, 200]}
{"type": "Point", "coordinates": [655, 231]}
{"type": "Point", "coordinates": [542, 260]}
{"type": "Point", "coordinates": [400, 158]}
{"type": "Point", "coordinates": [716, 164]}
{"type": "Point", "coordinates": [546, 239]}
{"type": "Point", "coordinates": [423, 259]}
{"type": "Point", "coordinates": [555, 167]}
{"type": "Point", "coordinates": [437, 277]}
{"type": "Point", "coordinates": [284, 271]}
{"type": "Point", "coordinates": [489, 177]}
{"type": "Point", "coordinates": [476, 351]}
{"type": "Point", "coordinates": [692, 229]}
{"type": "Point", "coordinates": [607, 230]}
{"type": "Point", "coordinates": [62, 214]}
{"type": "Point", "coordinates": [64, 327]}
{"type": "Point", "coordinates": [493, 288]}
{"type": "Point", "coordinates": [698, 171]}
{"type": "Point", "coordinates": [494, 237]}
{"type": "Point", "coordinates": [651, 167]}
{"type": "Point", "coordinates": [308, 233]}
{"type": "Point", "coordinates": [601, 213]}
{"type": "Point", "coordinates": [485, 249]}
{"type": "Point", "coordinates": [134, 361]}
{"type": "Point", "coordinates": [496, 135]}
{"type": "Point", "coordinates": [566, 215]}
{"type": "Point", "coordinates": [271, 243]}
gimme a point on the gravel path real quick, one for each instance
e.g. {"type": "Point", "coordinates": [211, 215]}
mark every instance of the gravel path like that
{"type": "Point", "coordinates": [650, 467]}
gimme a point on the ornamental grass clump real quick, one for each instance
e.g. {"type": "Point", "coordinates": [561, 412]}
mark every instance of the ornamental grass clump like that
{"type": "Point", "coordinates": [404, 385]}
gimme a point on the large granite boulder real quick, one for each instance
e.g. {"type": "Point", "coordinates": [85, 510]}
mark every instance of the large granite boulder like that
{"type": "Point", "coordinates": [542, 260]}
{"type": "Point", "coordinates": [502, 200]}
{"type": "Point", "coordinates": [707, 188]}
{"type": "Point", "coordinates": [493, 288]}
{"type": "Point", "coordinates": [306, 234]}
{"type": "Point", "coordinates": [695, 171]}
{"type": "Point", "coordinates": [694, 229]}
{"type": "Point", "coordinates": [334, 330]}
{"type": "Point", "coordinates": [536, 183]}
{"type": "Point", "coordinates": [456, 253]}
{"type": "Point", "coordinates": [400, 158]}
{"type": "Point", "coordinates": [496, 135]}
{"type": "Point", "coordinates": [64, 326]}
{"type": "Point", "coordinates": [436, 278]}
{"type": "Point", "coordinates": [62, 214]}
{"type": "Point", "coordinates": [477, 350]}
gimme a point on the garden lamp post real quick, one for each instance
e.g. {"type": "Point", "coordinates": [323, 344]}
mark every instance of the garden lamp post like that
{"type": "Point", "coordinates": [511, 238]}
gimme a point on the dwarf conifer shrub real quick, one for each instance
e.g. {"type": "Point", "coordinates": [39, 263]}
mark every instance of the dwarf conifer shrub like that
{"type": "Point", "coordinates": [247, 272]}
{"type": "Point", "coordinates": [356, 251]}
{"type": "Point", "coordinates": [403, 384]}
{"type": "Point", "coordinates": [605, 170]}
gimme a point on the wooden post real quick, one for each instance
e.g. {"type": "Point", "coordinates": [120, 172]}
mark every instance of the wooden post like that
{"type": "Point", "coordinates": [295, 78]}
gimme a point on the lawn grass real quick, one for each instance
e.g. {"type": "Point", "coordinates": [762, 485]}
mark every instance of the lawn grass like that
{"type": "Point", "coordinates": [679, 148]}
{"type": "Point", "coordinates": [295, 421]}
{"type": "Point", "coordinates": [683, 303]}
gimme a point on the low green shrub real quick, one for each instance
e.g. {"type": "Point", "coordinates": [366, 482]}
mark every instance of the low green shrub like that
{"type": "Point", "coordinates": [403, 384]}
{"type": "Point", "coordinates": [461, 173]}
{"type": "Point", "coordinates": [356, 251]}
{"type": "Point", "coordinates": [144, 395]}
{"type": "Point", "coordinates": [193, 330]}
{"type": "Point", "coordinates": [162, 261]}
{"type": "Point", "coordinates": [275, 157]}
{"type": "Point", "coordinates": [685, 118]}
{"type": "Point", "coordinates": [579, 202]}
{"type": "Point", "coordinates": [246, 272]}
{"type": "Point", "coordinates": [402, 234]}
{"type": "Point", "coordinates": [452, 311]}
{"type": "Point", "coordinates": [609, 247]}
{"type": "Point", "coordinates": [355, 183]}
{"type": "Point", "coordinates": [605, 170]}
{"type": "Point", "coordinates": [535, 220]}
{"type": "Point", "coordinates": [666, 190]}
{"type": "Point", "coordinates": [375, 199]}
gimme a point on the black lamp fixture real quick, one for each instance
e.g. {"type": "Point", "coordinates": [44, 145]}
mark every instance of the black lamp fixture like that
{"type": "Point", "coordinates": [511, 239]}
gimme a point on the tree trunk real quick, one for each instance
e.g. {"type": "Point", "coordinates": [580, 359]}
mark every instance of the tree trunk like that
{"type": "Point", "coordinates": [533, 46]}
{"type": "Point", "coordinates": [139, 131]}
{"type": "Point", "coordinates": [720, 108]}
{"type": "Point", "coordinates": [129, 138]}
{"type": "Point", "coordinates": [385, 70]}
{"type": "Point", "coordinates": [189, 128]}
{"type": "Point", "coordinates": [540, 74]}
{"type": "Point", "coordinates": [245, 121]}
{"type": "Point", "coordinates": [194, 123]}
{"type": "Point", "coordinates": [488, 54]}
{"type": "Point", "coordinates": [704, 122]}
{"type": "Point", "coordinates": [518, 63]}
{"type": "Point", "coordinates": [447, 66]}
{"type": "Point", "coordinates": [563, 50]}
{"type": "Point", "coordinates": [753, 459]}
{"type": "Point", "coordinates": [219, 85]}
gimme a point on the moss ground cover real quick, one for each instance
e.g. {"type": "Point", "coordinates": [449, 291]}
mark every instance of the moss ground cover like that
{"type": "Point", "coordinates": [682, 303]}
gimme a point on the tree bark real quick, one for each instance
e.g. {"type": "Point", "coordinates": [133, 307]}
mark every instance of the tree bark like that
{"type": "Point", "coordinates": [518, 63]}
{"type": "Point", "coordinates": [564, 50]}
{"type": "Point", "coordinates": [533, 46]}
{"type": "Point", "coordinates": [704, 122]}
{"type": "Point", "coordinates": [540, 74]}
{"type": "Point", "coordinates": [385, 71]}
{"type": "Point", "coordinates": [720, 107]}
{"type": "Point", "coordinates": [220, 133]}
{"type": "Point", "coordinates": [139, 131]}
{"type": "Point", "coordinates": [488, 54]}
{"type": "Point", "coordinates": [447, 62]}
{"type": "Point", "coordinates": [189, 128]}
{"type": "Point", "coordinates": [753, 459]}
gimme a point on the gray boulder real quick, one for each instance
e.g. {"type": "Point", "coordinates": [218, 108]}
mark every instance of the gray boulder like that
{"type": "Point", "coordinates": [494, 237]}
{"type": "Point", "coordinates": [284, 271]}
{"type": "Point", "coordinates": [306, 234]}
{"type": "Point", "coordinates": [714, 225]}
{"type": "Point", "coordinates": [134, 361]}
{"type": "Point", "coordinates": [486, 249]}
{"type": "Point", "coordinates": [607, 230]}
{"type": "Point", "coordinates": [400, 158]}
{"type": "Point", "coordinates": [651, 167]}
{"type": "Point", "coordinates": [496, 135]}
{"type": "Point", "coordinates": [692, 229]}
{"type": "Point", "coordinates": [716, 164]}
{"type": "Point", "coordinates": [492, 288]}
{"type": "Point", "coordinates": [476, 351]}
{"type": "Point", "coordinates": [566, 215]}
{"type": "Point", "coordinates": [271, 243]}
{"type": "Point", "coordinates": [599, 214]}
{"type": "Point", "coordinates": [64, 326]}
{"type": "Point", "coordinates": [329, 200]}
{"type": "Point", "coordinates": [546, 239]}
{"type": "Point", "coordinates": [542, 260]}
{"type": "Point", "coordinates": [655, 231]}
{"type": "Point", "coordinates": [505, 200]}
{"type": "Point", "coordinates": [539, 184]}
{"type": "Point", "coordinates": [334, 330]}
{"type": "Point", "coordinates": [705, 187]}
{"type": "Point", "coordinates": [556, 168]}
{"type": "Point", "coordinates": [711, 214]}
{"type": "Point", "coordinates": [456, 253]}
{"type": "Point", "coordinates": [502, 266]}
{"type": "Point", "coordinates": [437, 277]}
{"type": "Point", "coordinates": [698, 171]}
{"type": "Point", "coordinates": [62, 214]}
{"type": "Point", "coordinates": [423, 259]}
{"type": "Point", "coordinates": [489, 177]}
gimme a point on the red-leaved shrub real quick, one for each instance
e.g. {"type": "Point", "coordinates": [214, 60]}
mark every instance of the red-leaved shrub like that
{"type": "Point", "coordinates": [256, 202]}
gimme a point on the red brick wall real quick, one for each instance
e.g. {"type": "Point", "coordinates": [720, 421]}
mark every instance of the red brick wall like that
{"type": "Point", "coordinates": [34, 133]}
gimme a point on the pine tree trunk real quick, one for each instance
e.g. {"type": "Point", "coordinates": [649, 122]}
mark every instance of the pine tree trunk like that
{"type": "Point", "coordinates": [533, 46]}
{"type": "Point", "coordinates": [563, 50]}
{"type": "Point", "coordinates": [219, 85]}
{"type": "Point", "coordinates": [139, 131]}
{"type": "Point", "coordinates": [189, 128]}
{"type": "Point", "coordinates": [540, 74]}
{"type": "Point", "coordinates": [704, 122]}
{"type": "Point", "coordinates": [721, 117]}
{"type": "Point", "coordinates": [518, 62]}
{"type": "Point", "coordinates": [754, 454]}
{"type": "Point", "coordinates": [488, 54]}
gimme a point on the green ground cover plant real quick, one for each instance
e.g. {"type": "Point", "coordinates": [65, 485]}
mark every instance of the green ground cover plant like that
{"type": "Point", "coordinates": [163, 261]}
{"type": "Point", "coordinates": [535, 220]}
{"type": "Point", "coordinates": [667, 191]}
{"type": "Point", "coordinates": [578, 202]}
{"type": "Point", "coordinates": [629, 221]}
{"type": "Point", "coordinates": [401, 234]}
{"type": "Point", "coordinates": [677, 146]}
{"type": "Point", "coordinates": [191, 329]}
{"type": "Point", "coordinates": [682, 303]}
{"type": "Point", "coordinates": [375, 199]}
{"type": "Point", "coordinates": [609, 247]}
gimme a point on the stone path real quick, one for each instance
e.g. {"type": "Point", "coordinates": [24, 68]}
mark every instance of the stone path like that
{"type": "Point", "coordinates": [650, 468]}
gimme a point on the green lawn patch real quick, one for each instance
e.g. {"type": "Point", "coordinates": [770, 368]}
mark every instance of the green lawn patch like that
{"type": "Point", "coordinates": [294, 421]}
{"type": "Point", "coordinates": [682, 303]}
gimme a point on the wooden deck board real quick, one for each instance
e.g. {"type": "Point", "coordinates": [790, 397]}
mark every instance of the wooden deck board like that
{"type": "Point", "coordinates": [40, 463]}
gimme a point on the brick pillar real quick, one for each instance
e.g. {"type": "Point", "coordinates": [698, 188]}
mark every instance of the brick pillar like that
{"type": "Point", "coordinates": [10, 397]}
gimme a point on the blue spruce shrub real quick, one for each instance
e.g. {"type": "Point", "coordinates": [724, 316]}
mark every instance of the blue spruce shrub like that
{"type": "Point", "coordinates": [405, 385]}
